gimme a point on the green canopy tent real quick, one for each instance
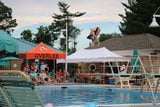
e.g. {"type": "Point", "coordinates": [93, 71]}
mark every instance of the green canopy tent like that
{"type": "Point", "coordinates": [7, 43]}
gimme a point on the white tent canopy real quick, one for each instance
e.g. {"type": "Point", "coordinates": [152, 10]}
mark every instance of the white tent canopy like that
{"type": "Point", "coordinates": [93, 55]}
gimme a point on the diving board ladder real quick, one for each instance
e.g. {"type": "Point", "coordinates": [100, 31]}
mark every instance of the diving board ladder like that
{"type": "Point", "coordinates": [154, 98]}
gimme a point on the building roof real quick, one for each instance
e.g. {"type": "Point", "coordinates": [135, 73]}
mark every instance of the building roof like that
{"type": "Point", "coordinates": [24, 46]}
{"type": "Point", "coordinates": [7, 43]}
{"type": "Point", "coordinates": [130, 42]}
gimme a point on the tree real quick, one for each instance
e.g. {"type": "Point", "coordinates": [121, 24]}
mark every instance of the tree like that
{"type": "Point", "coordinates": [27, 35]}
{"type": "Point", "coordinates": [104, 36]}
{"type": "Point", "coordinates": [48, 34]}
{"type": "Point", "coordinates": [43, 35]}
{"type": "Point", "coordinates": [138, 16]}
{"type": "Point", "coordinates": [6, 21]}
{"type": "Point", "coordinates": [60, 21]}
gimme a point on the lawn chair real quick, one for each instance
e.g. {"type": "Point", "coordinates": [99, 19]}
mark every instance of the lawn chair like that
{"type": "Point", "coordinates": [122, 77]}
{"type": "Point", "coordinates": [17, 90]}
{"type": "Point", "coordinates": [125, 79]}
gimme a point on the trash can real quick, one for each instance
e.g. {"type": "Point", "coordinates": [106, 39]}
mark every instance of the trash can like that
{"type": "Point", "coordinates": [111, 81]}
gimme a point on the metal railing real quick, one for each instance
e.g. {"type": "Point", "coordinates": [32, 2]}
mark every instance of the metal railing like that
{"type": "Point", "coordinates": [147, 82]}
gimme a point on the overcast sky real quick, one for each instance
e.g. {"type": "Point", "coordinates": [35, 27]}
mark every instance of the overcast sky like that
{"type": "Point", "coordinates": [40, 11]}
{"type": "Point", "coordinates": [103, 13]}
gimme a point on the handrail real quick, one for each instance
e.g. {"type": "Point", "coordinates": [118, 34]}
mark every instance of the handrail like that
{"type": "Point", "coordinates": [157, 85]}
{"type": "Point", "coordinates": [15, 72]}
{"type": "Point", "coordinates": [121, 74]}
{"type": "Point", "coordinates": [154, 94]}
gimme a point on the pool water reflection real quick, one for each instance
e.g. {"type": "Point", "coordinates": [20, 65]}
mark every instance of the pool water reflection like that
{"type": "Point", "coordinates": [83, 95]}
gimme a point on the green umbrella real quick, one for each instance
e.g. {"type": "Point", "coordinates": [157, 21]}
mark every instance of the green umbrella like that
{"type": "Point", "coordinates": [135, 62]}
{"type": "Point", "coordinates": [4, 63]}
{"type": "Point", "coordinates": [9, 58]}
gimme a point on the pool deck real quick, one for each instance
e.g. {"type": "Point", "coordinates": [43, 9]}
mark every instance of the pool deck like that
{"type": "Point", "coordinates": [117, 105]}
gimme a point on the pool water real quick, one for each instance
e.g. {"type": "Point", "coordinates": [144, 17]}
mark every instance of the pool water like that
{"type": "Point", "coordinates": [84, 95]}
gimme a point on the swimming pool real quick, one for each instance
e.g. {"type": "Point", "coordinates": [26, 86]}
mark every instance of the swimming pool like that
{"type": "Point", "coordinates": [88, 95]}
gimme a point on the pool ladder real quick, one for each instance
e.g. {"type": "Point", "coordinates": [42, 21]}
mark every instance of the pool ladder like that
{"type": "Point", "coordinates": [147, 82]}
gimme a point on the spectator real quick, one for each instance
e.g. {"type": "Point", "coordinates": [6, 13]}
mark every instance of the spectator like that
{"type": "Point", "coordinates": [51, 74]}
{"type": "Point", "coordinates": [59, 75]}
{"type": "Point", "coordinates": [44, 78]}
{"type": "Point", "coordinates": [34, 67]}
{"type": "Point", "coordinates": [23, 65]}
{"type": "Point", "coordinates": [42, 67]}
{"type": "Point", "coordinates": [123, 68]}
{"type": "Point", "coordinates": [33, 76]}
{"type": "Point", "coordinates": [65, 75]}
{"type": "Point", "coordinates": [46, 68]}
{"type": "Point", "coordinates": [78, 71]}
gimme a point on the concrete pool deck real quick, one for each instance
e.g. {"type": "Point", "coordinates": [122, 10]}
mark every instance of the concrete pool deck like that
{"type": "Point", "coordinates": [117, 105]}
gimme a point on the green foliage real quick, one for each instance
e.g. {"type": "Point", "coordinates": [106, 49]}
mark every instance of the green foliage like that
{"type": "Point", "coordinates": [138, 17]}
{"type": "Point", "coordinates": [48, 34]}
{"type": "Point", "coordinates": [27, 35]}
{"type": "Point", "coordinates": [44, 35]}
{"type": "Point", "coordinates": [104, 36]}
{"type": "Point", "coordinates": [6, 21]}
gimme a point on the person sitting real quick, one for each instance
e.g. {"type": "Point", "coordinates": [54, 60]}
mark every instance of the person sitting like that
{"type": "Point", "coordinates": [76, 77]}
{"type": "Point", "coordinates": [78, 71]}
{"type": "Point", "coordinates": [43, 66]}
{"type": "Point", "coordinates": [24, 68]}
{"type": "Point", "coordinates": [46, 68]}
{"type": "Point", "coordinates": [77, 74]}
{"type": "Point", "coordinates": [51, 74]}
{"type": "Point", "coordinates": [58, 79]}
{"type": "Point", "coordinates": [33, 76]}
{"type": "Point", "coordinates": [98, 78]}
{"type": "Point", "coordinates": [123, 69]}
{"type": "Point", "coordinates": [23, 65]}
{"type": "Point", "coordinates": [44, 78]}
{"type": "Point", "coordinates": [33, 67]}
{"type": "Point", "coordinates": [60, 75]}
{"type": "Point", "coordinates": [65, 75]}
